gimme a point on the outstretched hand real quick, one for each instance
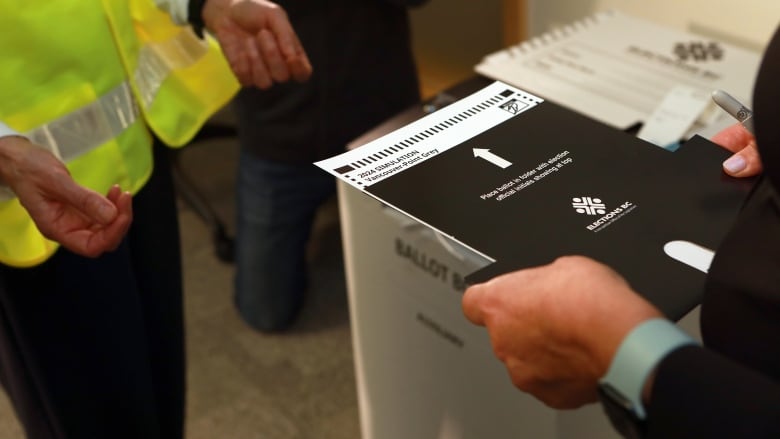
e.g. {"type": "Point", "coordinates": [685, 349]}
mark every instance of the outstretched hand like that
{"type": "Point", "coordinates": [745, 162]}
{"type": "Point", "coordinates": [258, 41]}
{"type": "Point", "coordinates": [557, 327]}
{"type": "Point", "coordinates": [81, 220]}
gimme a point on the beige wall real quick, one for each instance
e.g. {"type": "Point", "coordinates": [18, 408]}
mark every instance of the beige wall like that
{"type": "Point", "coordinates": [749, 23]}
{"type": "Point", "coordinates": [451, 36]}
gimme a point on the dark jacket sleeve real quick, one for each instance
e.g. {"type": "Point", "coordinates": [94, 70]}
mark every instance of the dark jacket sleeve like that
{"type": "Point", "coordinates": [731, 389]}
{"type": "Point", "coordinates": [698, 393]}
{"type": "Point", "coordinates": [406, 2]}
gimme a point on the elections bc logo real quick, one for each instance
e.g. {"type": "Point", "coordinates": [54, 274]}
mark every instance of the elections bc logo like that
{"type": "Point", "coordinates": [698, 51]}
{"type": "Point", "coordinates": [589, 205]}
{"type": "Point", "coordinates": [593, 206]}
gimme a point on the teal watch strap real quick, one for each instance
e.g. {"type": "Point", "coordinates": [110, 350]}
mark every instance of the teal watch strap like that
{"type": "Point", "coordinates": [638, 354]}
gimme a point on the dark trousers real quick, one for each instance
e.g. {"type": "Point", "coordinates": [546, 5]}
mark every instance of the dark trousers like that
{"type": "Point", "coordinates": [93, 348]}
{"type": "Point", "coordinates": [277, 203]}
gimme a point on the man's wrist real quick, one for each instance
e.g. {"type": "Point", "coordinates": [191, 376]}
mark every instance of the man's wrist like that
{"type": "Point", "coordinates": [9, 147]}
{"type": "Point", "coordinates": [637, 357]}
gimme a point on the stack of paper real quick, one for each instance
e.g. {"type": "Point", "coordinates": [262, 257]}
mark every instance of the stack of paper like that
{"type": "Point", "coordinates": [618, 69]}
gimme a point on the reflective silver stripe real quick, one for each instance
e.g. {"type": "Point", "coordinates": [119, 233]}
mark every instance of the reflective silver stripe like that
{"type": "Point", "coordinates": [94, 124]}
{"type": "Point", "coordinates": [85, 128]}
{"type": "Point", "coordinates": [157, 60]}
{"type": "Point", "coordinates": [98, 122]}
{"type": "Point", "coordinates": [88, 127]}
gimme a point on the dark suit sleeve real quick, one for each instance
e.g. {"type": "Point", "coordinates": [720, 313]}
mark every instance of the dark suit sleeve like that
{"type": "Point", "coordinates": [406, 2]}
{"type": "Point", "coordinates": [698, 393]}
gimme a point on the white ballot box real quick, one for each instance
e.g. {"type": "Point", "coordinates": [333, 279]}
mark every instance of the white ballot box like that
{"type": "Point", "coordinates": [423, 371]}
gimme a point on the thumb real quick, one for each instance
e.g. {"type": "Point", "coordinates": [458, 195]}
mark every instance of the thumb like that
{"type": "Point", "coordinates": [744, 163]}
{"type": "Point", "coordinates": [471, 304]}
{"type": "Point", "coordinates": [90, 203]}
{"type": "Point", "coordinates": [734, 138]}
{"type": "Point", "coordinates": [253, 17]}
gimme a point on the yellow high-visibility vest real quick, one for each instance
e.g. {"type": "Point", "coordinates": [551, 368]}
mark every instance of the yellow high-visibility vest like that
{"type": "Point", "coordinates": [85, 78]}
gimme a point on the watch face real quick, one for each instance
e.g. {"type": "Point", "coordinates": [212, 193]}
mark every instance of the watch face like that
{"type": "Point", "coordinates": [620, 412]}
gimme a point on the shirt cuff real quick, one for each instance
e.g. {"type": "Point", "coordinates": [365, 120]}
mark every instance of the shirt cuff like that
{"type": "Point", "coordinates": [638, 355]}
{"type": "Point", "coordinates": [6, 131]}
{"type": "Point", "coordinates": [177, 9]}
{"type": "Point", "coordinates": [5, 192]}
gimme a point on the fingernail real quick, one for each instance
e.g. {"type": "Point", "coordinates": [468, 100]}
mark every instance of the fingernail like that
{"type": "Point", "coordinates": [106, 212]}
{"type": "Point", "coordinates": [735, 164]}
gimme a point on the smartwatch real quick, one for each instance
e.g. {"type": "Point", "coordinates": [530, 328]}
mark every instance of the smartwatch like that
{"type": "Point", "coordinates": [621, 412]}
{"type": "Point", "coordinates": [620, 390]}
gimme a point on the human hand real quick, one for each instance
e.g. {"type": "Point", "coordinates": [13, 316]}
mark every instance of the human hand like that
{"type": "Point", "coordinates": [80, 219]}
{"type": "Point", "coordinates": [745, 162]}
{"type": "Point", "coordinates": [557, 327]}
{"type": "Point", "coordinates": [258, 41]}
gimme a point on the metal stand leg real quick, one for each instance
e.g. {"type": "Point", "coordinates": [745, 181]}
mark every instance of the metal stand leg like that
{"type": "Point", "coordinates": [224, 244]}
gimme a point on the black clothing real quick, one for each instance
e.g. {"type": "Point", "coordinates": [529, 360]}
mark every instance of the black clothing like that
{"type": "Point", "coordinates": [364, 72]}
{"type": "Point", "coordinates": [94, 348]}
{"type": "Point", "coordinates": [731, 389]}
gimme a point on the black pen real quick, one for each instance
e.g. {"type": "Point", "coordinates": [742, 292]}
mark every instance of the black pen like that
{"type": "Point", "coordinates": [734, 108]}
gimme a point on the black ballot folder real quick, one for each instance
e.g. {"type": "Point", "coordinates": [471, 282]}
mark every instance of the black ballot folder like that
{"type": "Point", "coordinates": [548, 182]}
